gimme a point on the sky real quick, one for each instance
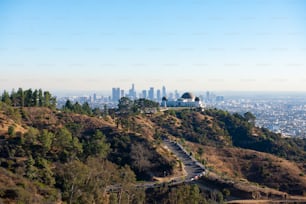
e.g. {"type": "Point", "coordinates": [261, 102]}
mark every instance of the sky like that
{"type": "Point", "coordinates": [236, 45]}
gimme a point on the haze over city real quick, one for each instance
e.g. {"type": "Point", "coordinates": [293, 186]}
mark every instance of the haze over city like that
{"type": "Point", "coordinates": [184, 45]}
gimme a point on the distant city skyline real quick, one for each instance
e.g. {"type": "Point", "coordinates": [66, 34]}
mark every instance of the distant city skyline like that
{"type": "Point", "coordinates": [220, 45]}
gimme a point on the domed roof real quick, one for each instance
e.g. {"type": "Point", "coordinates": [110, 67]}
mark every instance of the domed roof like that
{"type": "Point", "coordinates": [187, 95]}
{"type": "Point", "coordinates": [164, 98]}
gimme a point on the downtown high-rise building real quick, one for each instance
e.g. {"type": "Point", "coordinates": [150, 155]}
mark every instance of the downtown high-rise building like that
{"type": "Point", "coordinates": [164, 92]}
{"type": "Point", "coordinates": [176, 94]}
{"type": "Point", "coordinates": [132, 92]}
{"type": "Point", "coordinates": [115, 94]}
{"type": "Point", "coordinates": [122, 93]}
{"type": "Point", "coordinates": [144, 94]}
{"type": "Point", "coordinates": [94, 97]}
{"type": "Point", "coordinates": [158, 95]}
{"type": "Point", "coordinates": [151, 93]}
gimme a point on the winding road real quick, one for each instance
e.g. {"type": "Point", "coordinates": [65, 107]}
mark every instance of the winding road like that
{"type": "Point", "coordinates": [193, 168]}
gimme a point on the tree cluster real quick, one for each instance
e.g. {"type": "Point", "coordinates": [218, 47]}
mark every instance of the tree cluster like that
{"type": "Point", "coordinates": [182, 194]}
{"type": "Point", "coordinates": [78, 168]}
{"type": "Point", "coordinates": [129, 107]}
{"type": "Point", "coordinates": [77, 108]}
{"type": "Point", "coordinates": [29, 98]}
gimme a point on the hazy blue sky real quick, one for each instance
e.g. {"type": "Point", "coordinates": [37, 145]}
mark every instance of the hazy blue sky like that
{"type": "Point", "coordinates": [183, 44]}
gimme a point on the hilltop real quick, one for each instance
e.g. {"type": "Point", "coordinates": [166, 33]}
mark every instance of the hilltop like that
{"type": "Point", "coordinates": [43, 149]}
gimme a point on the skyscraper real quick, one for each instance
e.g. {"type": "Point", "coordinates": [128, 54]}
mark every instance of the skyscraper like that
{"type": "Point", "coordinates": [94, 97]}
{"type": "Point", "coordinates": [158, 95]}
{"type": "Point", "coordinates": [132, 92]}
{"type": "Point", "coordinates": [176, 94]}
{"type": "Point", "coordinates": [207, 96]}
{"type": "Point", "coordinates": [115, 94]}
{"type": "Point", "coordinates": [144, 94]}
{"type": "Point", "coordinates": [164, 92]}
{"type": "Point", "coordinates": [151, 93]}
{"type": "Point", "coordinates": [122, 93]}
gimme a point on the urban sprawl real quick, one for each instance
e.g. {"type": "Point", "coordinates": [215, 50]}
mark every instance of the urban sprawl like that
{"type": "Point", "coordinates": [281, 114]}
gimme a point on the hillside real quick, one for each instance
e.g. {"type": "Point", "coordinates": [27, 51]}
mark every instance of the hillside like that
{"type": "Point", "coordinates": [220, 128]}
{"type": "Point", "coordinates": [44, 149]}
{"type": "Point", "coordinates": [257, 167]}
{"type": "Point", "coordinates": [228, 145]}
{"type": "Point", "coordinates": [42, 144]}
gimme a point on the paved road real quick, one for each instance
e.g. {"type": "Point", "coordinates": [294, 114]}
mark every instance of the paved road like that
{"type": "Point", "coordinates": [193, 168]}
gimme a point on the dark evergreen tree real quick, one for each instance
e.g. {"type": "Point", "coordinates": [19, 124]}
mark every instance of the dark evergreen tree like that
{"type": "Point", "coordinates": [28, 98]}
{"type": "Point", "coordinates": [35, 98]}
{"type": "Point", "coordinates": [20, 97]}
{"type": "Point", "coordinates": [40, 98]}
{"type": "Point", "coordinates": [6, 98]}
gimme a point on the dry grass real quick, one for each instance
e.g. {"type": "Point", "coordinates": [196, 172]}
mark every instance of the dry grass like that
{"type": "Point", "coordinates": [6, 122]}
{"type": "Point", "coordinates": [90, 122]}
{"type": "Point", "coordinates": [236, 164]}
{"type": "Point", "coordinates": [145, 127]}
{"type": "Point", "coordinates": [232, 160]}
{"type": "Point", "coordinates": [176, 122]}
